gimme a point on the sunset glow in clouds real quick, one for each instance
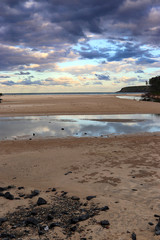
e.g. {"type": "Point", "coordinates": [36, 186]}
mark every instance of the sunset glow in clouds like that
{"type": "Point", "coordinates": [78, 45]}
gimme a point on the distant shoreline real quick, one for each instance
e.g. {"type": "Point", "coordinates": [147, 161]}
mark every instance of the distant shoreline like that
{"type": "Point", "coordinates": [134, 89]}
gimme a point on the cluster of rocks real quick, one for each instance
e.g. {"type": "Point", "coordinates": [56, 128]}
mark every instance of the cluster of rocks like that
{"type": "Point", "coordinates": [42, 217]}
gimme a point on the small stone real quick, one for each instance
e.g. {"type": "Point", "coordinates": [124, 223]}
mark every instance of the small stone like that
{"type": "Point", "coordinates": [19, 188]}
{"type": "Point", "coordinates": [151, 224]}
{"type": "Point", "coordinates": [2, 220]}
{"type": "Point", "coordinates": [34, 193]}
{"type": "Point", "coordinates": [9, 196]}
{"type": "Point", "coordinates": [68, 173]}
{"type": "Point", "coordinates": [105, 208]}
{"type": "Point", "coordinates": [49, 217]}
{"type": "Point", "coordinates": [55, 224]}
{"type": "Point", "coordinates": [104, 223]}
{"type": "Point", "coordinates": [157, 228]}
{"type": "Point", "coordinates": [31, 221]}
{"type": "Point", "coordinates": [53, 189]}
{"type": "Point", "coordinates": [74, 220]}
{"type": "Point", "coordinates": [75, 198]}
{"type": "Point", "coordinates": [2, 189]}
{"type": "Point", "coordinates": [33, 212]}
{"type": "Point", "coordinates": [41, 201]}
{"type": "Point", "coordinates": [62, 129]}
{"type": "Point", "coordinates": [83, 217]}
{"type": "Point", "coordinates": [157, 216]}
{"type": "Point", "coordinates": [73, 229]}
{"type": "Point", "coordinates": [134, 190]}
{"type": "Point", "coordinates": [133, 236]}
{"type": "Point", "coordinates": [90, 197]}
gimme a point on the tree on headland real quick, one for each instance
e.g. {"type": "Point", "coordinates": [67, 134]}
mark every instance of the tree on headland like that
{"type": "Point", "coordinates": [155, 85]}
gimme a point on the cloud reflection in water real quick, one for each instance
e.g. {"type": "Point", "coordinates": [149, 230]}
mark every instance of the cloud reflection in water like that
{"type": "Point", "coordinates": [77, 125]}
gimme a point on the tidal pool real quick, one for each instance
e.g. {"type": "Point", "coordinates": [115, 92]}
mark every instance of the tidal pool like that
{"type": "Point", "coordinates": [77, 125]}
{"type": "Point", "coordinates": [137, 98]}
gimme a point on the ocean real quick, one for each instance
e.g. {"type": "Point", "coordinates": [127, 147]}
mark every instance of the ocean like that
{"type": "Point", "coordinates": [72, 93]}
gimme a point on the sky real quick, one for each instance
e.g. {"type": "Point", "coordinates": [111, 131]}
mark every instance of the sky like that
{"type": "Point", "coordinates": [78, 45]}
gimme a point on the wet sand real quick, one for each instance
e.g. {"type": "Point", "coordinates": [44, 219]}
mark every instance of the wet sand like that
{"type": "Point", "coordinates": [122, 172]}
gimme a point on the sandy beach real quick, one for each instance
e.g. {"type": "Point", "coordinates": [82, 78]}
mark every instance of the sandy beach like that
{"type": "Point", "coordinates": [120, 172]}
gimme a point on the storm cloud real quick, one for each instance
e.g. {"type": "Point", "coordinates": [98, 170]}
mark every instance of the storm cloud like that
{"type": "Point", "coordinates": [45, 23]}
{"type": "Point", "coordinates": [41, 36]}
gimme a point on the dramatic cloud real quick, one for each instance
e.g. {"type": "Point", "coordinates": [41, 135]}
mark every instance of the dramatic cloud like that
{"type": "Point", "coordinates": [4, 76]}
{"type": "Point", "coordinates": [55, 38]}
{"type": "Point", "coordinates": [23, 73]}
{"type": "Point", "coordinates": [102, 77]}
{"type": "Point", "coordinates": [139, 71]}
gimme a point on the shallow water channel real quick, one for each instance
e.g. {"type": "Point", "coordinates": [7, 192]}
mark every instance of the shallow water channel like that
{"type": "Point", "coordinates": [30, 127]}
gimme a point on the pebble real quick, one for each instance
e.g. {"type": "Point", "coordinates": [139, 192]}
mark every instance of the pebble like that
{"type": "Point", "coordinates": [133, 236]}
{"type": "Point", "coordinates": [2, 220]}
{"type": "Point", "coordinates": [90, 197]}
{"type": "Point", "coordinates": [41, 201]}
{"type": "Point", "coordinates": [104, 223]}
{"type": "Point", "coordinates": [157, 228]}
{"type": "Point", "coordinates": [105, 208]}
{"type": "Point", "coordinates": [151, 224]}
{"type": "Point", "coordinates": [75, 198]}
{"type": "Point", "coordinates": [31, 221]}
{"type": "Point", "coordinates": [9, 196]}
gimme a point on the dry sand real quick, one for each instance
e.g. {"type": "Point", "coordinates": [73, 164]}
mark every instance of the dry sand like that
{"type": "Point", "coordinates": [122, 172]}
{"type": "Point", "coordinates": [73, 104]}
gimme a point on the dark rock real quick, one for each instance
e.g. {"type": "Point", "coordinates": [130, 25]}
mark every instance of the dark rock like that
{"type": "Point", "coordinates": [133, 236]}
{"type": "Point", "coordinates": [75, 198]}
{"type": "Point", "coordinates": [55, 224]}
{"type": "Point", "coordinates": [10, 186]}
{"type": "Point", "coordinates": [53, 189]}
{"type": "Point", "coordinates": [33, 212]}
{"type": "Point", "coordinates": [2, 220]}
{"type": "Point", "coordinates": [1, 194]}
{"type": "Point", "coordinates": [74, 220]}
{"type": "Point", "coordinates": [41, 201]}
{"type": "Point", "coordinates": [104, 223]}
{"type": "Point", "coordinates": [49, 217]}
{"type": "Point", "coordinates": [41, 233]}
{"type": "Point", "coordinates": [34, 193]}
{"type": "Point", "coordinates": [64, 193]}
{"type": "Point", "coordinates": [31, 221]}
{"type": "Point", "coordinates": [68, 173]}
{"type": "Point", "coordinates": [105, 208]}
{"type": "Point", "coordinates": [151, 224]}
{"type": "Point", "coordinates": [73, 229]}
{"type": "Point", "coordinates": [83, 217]}
{"type": "Point", "coordinates": [7, 235]}
{"type": "Point", "coordinates": [21, 194]}
{"type": "Point", "coordinates": [134, 190]}
{"type": "Point", "coordinates": [157, 216]}
{"type": "Point", "coordinates": [62, 129]}
{"type": "Point", "coordinates": [2, 189]}
{"type": "Point", "coordinates": [90, 197]}
{"type": "Point", "coordinates": [65, 213]}
{"type": "Point", "coordinates": [19, 188]}
{"type": "Point", "coordinates": [9, 196]}
{"type": "Point", "coordinates": [157, 228]}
